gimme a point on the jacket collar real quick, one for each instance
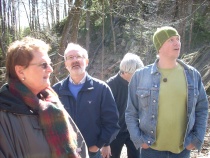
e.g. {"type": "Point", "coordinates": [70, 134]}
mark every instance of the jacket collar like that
{"type": "Point", "coordinates": [88, 85]}
{"type": "Point", "coordinates": [10, 103]}
{"type": "Point", "coordinates": [154, 68]}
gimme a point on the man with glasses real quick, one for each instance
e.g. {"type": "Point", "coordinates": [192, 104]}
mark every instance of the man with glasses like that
{"type": "Point", "coordinates": [89, 101]}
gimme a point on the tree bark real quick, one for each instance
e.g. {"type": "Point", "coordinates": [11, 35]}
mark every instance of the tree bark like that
{"type": "Point", "coordinates": [13, 21]}
{"type": "Point", "coordinates": [57, 11]}
{"type": "Point", "coordinates": [102, 55]}
{"type": "Point", "coordinates": [88, 30]}
{"type": "Point", "coordinates": [3, 27]}
{"type": "Point", "coordinates": [47, 14]}
{"type": "Point", "coordinates": [33, 14]}
{"type": "Point", "coordinates": [27, 15]}
{"type": "Point", "coordinates": [37, 17]}
{"type": "Point", "coordinates": [181, 14]}
{"type": "Point", "coordinates": [111, 22]}
{"type": "Point", "coordinates": [75, 13]}
{"type": "Point", "coordinates": [18, 19]}
{"type": "Point", "coordinates": [52, 12]}
{"type": "Point", "coordinates": [191, 27]}
{"type": "Point", "coordinates": [73, 18]}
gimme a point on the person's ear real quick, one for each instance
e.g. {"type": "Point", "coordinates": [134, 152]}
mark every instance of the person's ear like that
{"type": "Point", "coordinates": [20, 72]}
{"type": "Point", "coordinates": [65, 64]}
{"type": "Point", "coordinates": [87, 61]}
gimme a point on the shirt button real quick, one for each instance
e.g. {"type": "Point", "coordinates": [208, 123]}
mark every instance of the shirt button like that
{"type": "Point", "coordinates": [152, 131]}
{"type": "Point", "coordinates": [154, 101]}
{"type": "Point", "coordinates": [153, 116]}
{"type": "Point", "coordinates": [148, 142]}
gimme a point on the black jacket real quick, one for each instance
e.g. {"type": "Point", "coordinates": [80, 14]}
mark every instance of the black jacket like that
{"type": "Point", "coordinates": [119, 88]}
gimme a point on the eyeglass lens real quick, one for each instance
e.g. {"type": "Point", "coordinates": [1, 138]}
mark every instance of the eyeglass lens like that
{"type": "Point", "coordinates": [45, 65]}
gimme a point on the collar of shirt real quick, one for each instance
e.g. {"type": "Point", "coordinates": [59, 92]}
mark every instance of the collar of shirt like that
{"type": "Point", "coordinates": [81, 82]}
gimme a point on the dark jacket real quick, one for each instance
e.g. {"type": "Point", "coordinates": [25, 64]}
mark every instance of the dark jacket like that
{"type": "Point", "coordinates": [94, 111]}
{"type": "Point", "coordinates": [20, 133]}
{"type": "Point", "coordinates": [119, 88]}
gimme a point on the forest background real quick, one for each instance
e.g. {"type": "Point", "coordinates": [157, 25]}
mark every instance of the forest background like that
{"type": "Point", "coordinates": [108, 29]}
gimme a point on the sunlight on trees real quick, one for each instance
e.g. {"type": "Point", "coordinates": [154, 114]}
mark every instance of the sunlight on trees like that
{"type": "Point", "coordinates": [104, 26]}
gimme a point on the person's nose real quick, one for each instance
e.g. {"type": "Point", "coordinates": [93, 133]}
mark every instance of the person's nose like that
{"type": "Point", "coordinates": [177, 42]}
{"type": "Point", "coordinates": [49, 68]}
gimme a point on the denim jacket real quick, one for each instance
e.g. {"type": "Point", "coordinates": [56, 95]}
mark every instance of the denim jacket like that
{"type": "Point", "coordinates": [142, 109]}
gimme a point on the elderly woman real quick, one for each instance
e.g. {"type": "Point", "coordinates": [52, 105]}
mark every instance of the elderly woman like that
{"type": "Point", "coordinates": [33, 122]}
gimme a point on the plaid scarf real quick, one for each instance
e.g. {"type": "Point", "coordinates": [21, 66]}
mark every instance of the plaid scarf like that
{"type": "Point", "coordinates": [53, 118]}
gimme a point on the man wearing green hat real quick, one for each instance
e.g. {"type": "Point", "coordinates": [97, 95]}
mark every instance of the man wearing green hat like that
{"type": "Point", "coordinates": [167, 107]}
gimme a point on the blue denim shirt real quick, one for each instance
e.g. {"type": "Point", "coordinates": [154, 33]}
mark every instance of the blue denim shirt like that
{"type": "Point", "coordinates": [142, 109]}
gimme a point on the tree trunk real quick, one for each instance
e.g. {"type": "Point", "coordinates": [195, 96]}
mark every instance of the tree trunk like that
{"type": "Point", "coordinates": [62, 47]}
{"type": "Point", "coordinates": [75, 13]}
{"type": "Point", "coordinates": [37, 16]}
{"type": "Point", "coordinates": [33, 14]}
{"type": "Point", "coordinates": [88, 30]}
{"type": "Point", "coordinates": [47, 14]}
{"type": "Point", "coordinates": [73, 18]}
{"type": "Point", "coordinates": [52, 12]}
{"type": "Point", "coordinates": [2, 48]}
{"type": "Point", "coordinates": [57, 11]}
{"type": "Point", "coordinates": [19, 25]}
{"type": "Point", "coordinates": [65, 12]}
{"type": "Point", "coordinates": [28, 16]}
{"type": "Point", "coordinates": [102, 55]}
{"type": "Point", "coordinates": [191, 26]}
{"type": "Point", "coordinates": [111, 22]}
{"type": "Point", "coordinates": [3, 27]}
{"type": "Point", "coordinates": [181, 14]}
{"type": "Point", "coordinates": [13, 21]}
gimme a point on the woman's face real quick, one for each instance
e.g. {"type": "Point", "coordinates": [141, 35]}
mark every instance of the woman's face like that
{"type": "Point", "coordinates": [36, 75]}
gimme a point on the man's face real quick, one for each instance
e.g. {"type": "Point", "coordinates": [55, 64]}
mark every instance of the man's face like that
{"type": "Point", "coordinates": [127, 76]}
{"type": "Point", "coordinates": [171, 48]}
{"type": "Point", "coordinates": [76, 63]}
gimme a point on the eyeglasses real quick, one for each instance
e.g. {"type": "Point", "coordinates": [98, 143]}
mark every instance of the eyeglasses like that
{"type": "Point", "coordinates": [72, 57]}
{"type": "Point", "coordinates": [43, 65]}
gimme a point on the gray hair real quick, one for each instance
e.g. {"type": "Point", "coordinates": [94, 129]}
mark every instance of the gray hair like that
{"type": "Point", "coordinates": [130, 63]}
{"type": "Point", "coordinates": [77, 47]}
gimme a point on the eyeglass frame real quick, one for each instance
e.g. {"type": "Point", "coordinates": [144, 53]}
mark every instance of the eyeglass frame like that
{"type": "Point", "coordinates": [43, 65]}
{"type": "Point", "coordinates": [71, 58]}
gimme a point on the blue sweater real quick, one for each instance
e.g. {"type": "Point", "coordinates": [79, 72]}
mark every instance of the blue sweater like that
{"type": "Point", "coordinates": [94, 111]}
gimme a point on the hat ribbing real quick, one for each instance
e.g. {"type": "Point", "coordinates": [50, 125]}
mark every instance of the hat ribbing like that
{"type": "Point", "coordinates": [162, 34]}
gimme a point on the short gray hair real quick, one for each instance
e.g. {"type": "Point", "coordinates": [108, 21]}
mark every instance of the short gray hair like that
{"type": "Point", "coordinates": [130, 63]}
{"type": "Point", "coordinates": [74, 46]}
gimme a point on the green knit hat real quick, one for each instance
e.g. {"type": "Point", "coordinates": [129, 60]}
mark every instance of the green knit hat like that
{"type": "Point", "coordinates": [162, 34]}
